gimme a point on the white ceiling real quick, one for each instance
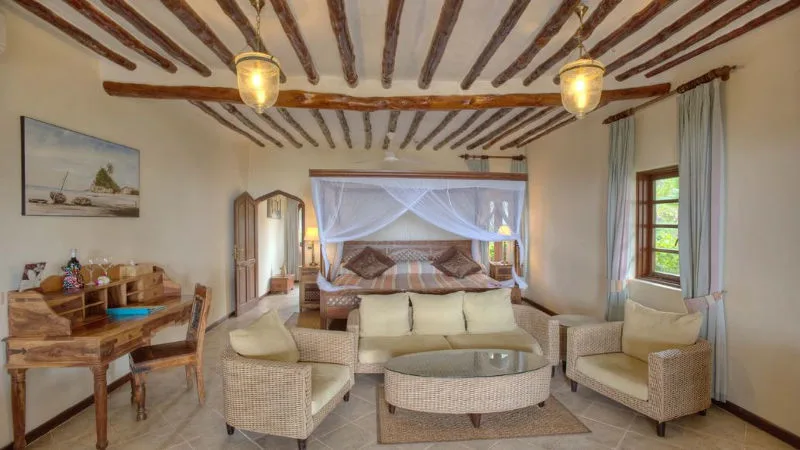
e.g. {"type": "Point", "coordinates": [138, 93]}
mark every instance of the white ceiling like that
{"type": "Point", "coordinates": [476, 23]}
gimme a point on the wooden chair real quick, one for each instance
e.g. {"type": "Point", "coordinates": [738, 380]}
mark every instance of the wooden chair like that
{"type": "Point", "coordinates": [188, 353]}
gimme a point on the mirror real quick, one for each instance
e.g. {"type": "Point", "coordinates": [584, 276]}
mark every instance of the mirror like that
{"type": "Point", "coordinates": [280, 226]}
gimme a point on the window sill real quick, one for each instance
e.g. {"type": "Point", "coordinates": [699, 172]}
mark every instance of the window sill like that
{"type": "Point", "coordinates": [661, 282]}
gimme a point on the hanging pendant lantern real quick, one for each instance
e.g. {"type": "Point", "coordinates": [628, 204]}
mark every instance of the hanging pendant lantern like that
{"type": "Point", "coordinates": [582, 79]}
{"type": "Point", "coordinates": [258, 74]}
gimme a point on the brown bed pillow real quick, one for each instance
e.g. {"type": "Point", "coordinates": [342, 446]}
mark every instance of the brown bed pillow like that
{"type": "Point", "coordinates": [369, 263]}
{"type": "Point", "coordinates": [455, 263]}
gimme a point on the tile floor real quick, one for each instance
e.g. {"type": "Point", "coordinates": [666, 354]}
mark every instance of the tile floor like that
{"type": "Point", "coordinates": [176, 421]}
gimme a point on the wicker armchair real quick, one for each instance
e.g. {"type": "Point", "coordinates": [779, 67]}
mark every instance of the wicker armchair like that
{"type": "Point", "coordinates": [678, 380]}
{"type": "Point", "coordinates": [274, 397]}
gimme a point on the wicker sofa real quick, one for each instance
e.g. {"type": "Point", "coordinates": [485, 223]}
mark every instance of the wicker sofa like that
{"type": "Point", "coordinates": [537, 333]}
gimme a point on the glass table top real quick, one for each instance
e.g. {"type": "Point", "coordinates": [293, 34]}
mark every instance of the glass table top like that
{"type": "Point", "coordinates": [466, 363]}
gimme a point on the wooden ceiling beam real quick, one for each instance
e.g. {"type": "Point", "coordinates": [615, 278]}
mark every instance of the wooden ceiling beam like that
{"type": "Point", "coordinates": [507, 23]}
{"type": "Point", "coordinates": [336, 10]}
{"type": "Point", "coordinates": [224, 122]}
{"type": "Point", "coordinates": [390, 129]}
{"type": "Point", "coordinates": [75, 33]}
{"type": "Point", "coordinates": [536, 130]}
{"type": "Point", "coordinates": [239, 18]}
{"type": "Point", "coordinates": [447, 119]}
{"type": "Point", "coordinates": [87, 10]}
{"type": "Point", "coordinates": [497, 115]}
{"type": "Point", "coordinates": [448, 16]}
{"type": "Point", "coordinates": [297, 127]}
{"type": "Point", "coordinates": [249, 124]}
{"type": "Point", "coordinates": [319, 100]}
{"type": "Point", "coordinates": [292, 30]}
{"type": "Point", "coordinates": [703, 33]}
{"type": "Point", "coordinates": [198, 27]}
{"type": "Point", "coordinates": [392, 33]}
{"type": "Point", "coordinates": [548, 131]}
{"type": "Point", "coordinates": [367, 130]}
{"type": "Point", "coordinates": [494, 140]}
{"type": "Point", "coordinates": [503, 127]}
{"type": "Point", "coordinates": [596, 18]}
{"type": "Point", "coordinates": [121, 8]}
{"type": "Point", "coordinates": [412, 129]}
{"type": "Point", "coordinates": [345, 127]}
{"type": "Point", "coordinates": [550, 29]}
{"type": "Point", "coordinates": [467, 123]}
{"type": "Point", "coordinates": [279, 129]}
{"type": "Point", "coordinates": [767, 17]}
{"type": "Point", "coordinates": [632, 25]}
{"type": "Point", "coordinates": [323, 126]}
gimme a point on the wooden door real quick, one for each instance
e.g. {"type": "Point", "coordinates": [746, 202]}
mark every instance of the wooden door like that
{"type": "Point", "coordinates": [244, 252]}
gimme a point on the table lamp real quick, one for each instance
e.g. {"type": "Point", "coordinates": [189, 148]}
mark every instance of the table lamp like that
{"type": "Point", "coordinates": [312, 235]}
{"type": "Point", "coordinates": [505, 231]}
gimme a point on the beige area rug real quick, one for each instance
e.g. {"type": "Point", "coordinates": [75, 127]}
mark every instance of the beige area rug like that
{"type": "Point", "coordinates": [405, 426]}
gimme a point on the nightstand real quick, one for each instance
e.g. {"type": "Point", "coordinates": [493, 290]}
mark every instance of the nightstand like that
{"type": "Point", "coordinates": [309, 291]}
{"type": "Point", "coordinates": [281, 283]}
{"type": "Point", "coordinates": [500, 271]}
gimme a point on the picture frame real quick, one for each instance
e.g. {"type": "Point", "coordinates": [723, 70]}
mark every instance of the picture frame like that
{"type": "Point", "coordinates": [274, 208]}
{"type": "Point", "coordinates": [68, 173]}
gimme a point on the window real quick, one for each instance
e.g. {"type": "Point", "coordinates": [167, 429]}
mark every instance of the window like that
{"type": "Point", "coordinates": [657, 256]}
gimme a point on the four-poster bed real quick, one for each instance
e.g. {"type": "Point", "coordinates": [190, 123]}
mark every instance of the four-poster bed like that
{"type": "Point", "coordinates": [351, 205]}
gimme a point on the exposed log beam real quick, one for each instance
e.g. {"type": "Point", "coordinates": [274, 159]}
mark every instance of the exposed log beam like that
{"type": "Point", "coordinates": [282, 131]}
{"type": "Point", "coordinates": [550, 29]}
{"type": "Point", "coordinates": [548, 131]}
{"type": "Point", "coordinates": [767, 17]}
{"type": "Point", "coordinates": [239, 18]}
{"type": "Point", "coordinates": [319, 100]}
{"type": "Point", "coordinates": [502, 31]}
{"type": "Point", "coordinates": [197, 26]}
{"type": "Point", "coordinates": [393, 14]}
{"type": "Point", "coordinates": [297, 127]}
{"type": "Point", "coordinates": [705, 32]}
{"type": "Point", "coordinates": [536, 130]}
{"type": "Point", "coordinates": [207, 109]}
{"type": "Point", "coordinates": [345, 127]}
{"type": "Point", "coordinates": [632, 25]}
{"type": "Point", "coordinates": [121, 8]}
{"type": "Point", "coordinates": [665, 33]}
{"type": "Point", "coordinates": [412, 130]}
{"type": "Point", "coordinates": [367, 130]}
{"type": "Point", "coordinates": [497, 115]}
{"type": "Point", "coordinates": [447, 119]}
{"type": "Point", "coordinates": [390, 129]}
{"type": "Point", "coordinates": [75, 33]}
{"type": "Point", "coordinates": [128, 40]}
{"type": "Point", "coordinates": [292, 30]}
{"type": "Point", "coordinates": [494, 140]}
{"type": "Point", "coordinates": [596, 18]}
{"type": "Point", "coordinates": [338, 16]}
{"type": "Point", "coordinates": [503, 127]}
{"type": "Point", "coordinates": [467, 123]}
{"type": "Point", "coordinates": [249, 124]}
{"type": "Point", "coordinates": [323, 126]}
{"type": "Point", "coordinates": [444, 28]}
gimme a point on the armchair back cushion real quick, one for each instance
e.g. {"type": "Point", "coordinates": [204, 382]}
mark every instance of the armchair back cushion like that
{"type": "Point", "coordinates": [646, 330]}
{"type": "Point", "coordinates": [489, 312]}
{"type": "Point", "coordinates": [384, 315]}
{"type": "Point", "coordinates": [266, 338]}
{"type": "Point", "coordinates": [438, 314]}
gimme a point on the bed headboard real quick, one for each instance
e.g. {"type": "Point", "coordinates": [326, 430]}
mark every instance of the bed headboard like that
{"type": "Point", "coordinates": [406, 250]}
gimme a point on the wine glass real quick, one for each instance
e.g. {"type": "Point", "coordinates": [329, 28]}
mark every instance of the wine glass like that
{"type": "Point", "coordinates": [90, 269]}
{"type": "Point", "coordinates": [106, 263]}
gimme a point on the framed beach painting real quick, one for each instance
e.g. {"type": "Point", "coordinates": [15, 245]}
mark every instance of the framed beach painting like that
{"type": "Point", "coordinates": [66, 173]}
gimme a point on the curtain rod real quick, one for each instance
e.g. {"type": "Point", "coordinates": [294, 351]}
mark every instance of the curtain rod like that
{"type": "Point", "coordinates": [720, 72]}
{"type": "Point", "coordinates": [515, 158]}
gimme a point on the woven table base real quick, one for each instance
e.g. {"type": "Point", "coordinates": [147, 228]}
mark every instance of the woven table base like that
{"type": "Point", "coordinates": [405, 426]}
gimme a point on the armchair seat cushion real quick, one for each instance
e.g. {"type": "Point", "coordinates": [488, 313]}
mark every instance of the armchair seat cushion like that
{"type": "Point", "coordinates": [518, 339]}
{"type": "Point", "coordinates": [379, 349]}
{"type": "Point", "coordinates": [618, 371]}
{"type": "Point", "coordinates": [326, 381]}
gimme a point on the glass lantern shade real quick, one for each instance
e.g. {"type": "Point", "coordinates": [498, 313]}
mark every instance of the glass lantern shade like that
{"type": "Point", "coordinates": [581, 86]}
{"type": "Point", "coordinates": [258, 78]}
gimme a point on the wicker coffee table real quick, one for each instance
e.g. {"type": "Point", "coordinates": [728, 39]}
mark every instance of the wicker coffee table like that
{"type": "Point", "coordinates": [471, 382]}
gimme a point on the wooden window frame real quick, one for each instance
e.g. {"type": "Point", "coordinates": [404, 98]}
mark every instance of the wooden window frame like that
{"type": "Point", "coordinates": [645, 225]}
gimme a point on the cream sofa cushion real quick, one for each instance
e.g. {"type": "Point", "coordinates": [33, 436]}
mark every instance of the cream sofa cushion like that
{"type": "Point", "coordinates": [489, 312]}
{"type": "Point", "coordinates": [384, 315]}
{"type": "Point", "coordinates": [266, 338]}
{"type": "Point", "coordinates": [518, 339]}
{"type": "Point", "coordinates": [326, 381]}
{"type": "Point", "coordinates": [378, 350]}
{"type": "Point", "coordinates": [438, 314]}
{"type": "Point", "coordinates": [646, 330]}
{"type": "Point", "coordinates": [618, 371]}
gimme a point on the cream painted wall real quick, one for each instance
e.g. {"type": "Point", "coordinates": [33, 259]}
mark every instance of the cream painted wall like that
{"type": "Point", "coordinates": [189, 178]}
{"type": "Point", "coordinates": [762, 101]}
{"type": "Point", "coordinates": [271, 245]}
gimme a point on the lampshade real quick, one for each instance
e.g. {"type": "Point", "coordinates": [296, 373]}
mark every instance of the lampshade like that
{"type": "Point", "coordinates": [504, 230]}
{"type": "Point", "coordinates": [312, 234]}
{"type": "Point", "coordinates": [581, 85]}
{"type": "Point", "coordinates": [258, 78]}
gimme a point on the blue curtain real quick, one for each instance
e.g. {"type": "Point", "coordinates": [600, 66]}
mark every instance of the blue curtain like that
{"type": "Point", "coordinates": [292, 247]}
{"type": "Point", "coordinates": [618, 218]}
{"type": "Point", "coordinates": [521, 166]}
{"type": "Point", "coordinates": [478, 165]}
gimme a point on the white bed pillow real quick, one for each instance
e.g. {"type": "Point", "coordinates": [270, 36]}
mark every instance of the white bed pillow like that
{"type": "Point", "coordinates": [438, 314]}
{"type": "Point", "coordinates": [489, 312]}
{"type": "Point", "coordinates": [384, 315]}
